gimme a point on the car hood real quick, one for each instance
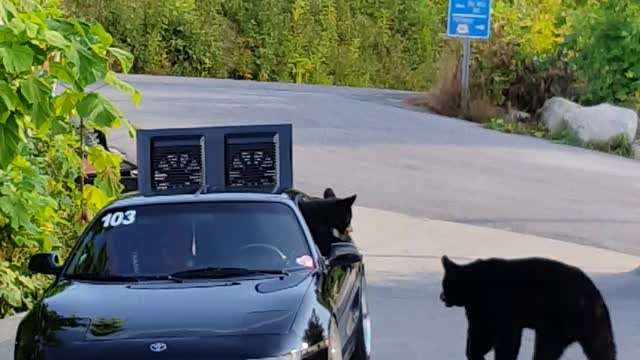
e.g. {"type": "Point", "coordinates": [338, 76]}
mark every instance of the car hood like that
{"type": "Point", "coordinates": [81, 311]}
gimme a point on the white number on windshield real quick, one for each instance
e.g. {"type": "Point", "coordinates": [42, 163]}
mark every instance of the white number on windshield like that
{"type": "Point", "coordinates": [119, 218]}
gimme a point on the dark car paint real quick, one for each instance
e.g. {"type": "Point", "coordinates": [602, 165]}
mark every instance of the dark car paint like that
{"type": "Point", "coordinates": [238, 318]}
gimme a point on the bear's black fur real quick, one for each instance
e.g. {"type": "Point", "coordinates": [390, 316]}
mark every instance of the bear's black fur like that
{"type": "Point", "coordinates": [502, 297]}
{"type": "Point", "coordinates": [326, 215]}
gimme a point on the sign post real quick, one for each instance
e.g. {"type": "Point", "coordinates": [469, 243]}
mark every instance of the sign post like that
{"type": "Point", "coordinates": [468, 19]}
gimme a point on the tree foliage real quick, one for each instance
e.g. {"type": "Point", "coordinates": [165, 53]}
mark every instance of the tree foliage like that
{"type": "Point", "coordinates": [382, 43]}
{"type": "Point", "coordinates": [41, 207]}
{"type": "Point", "coordinates": [604, 52]}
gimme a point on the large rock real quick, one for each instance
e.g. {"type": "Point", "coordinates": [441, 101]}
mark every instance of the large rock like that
{"type": "Point", "coordinates": [553, 112]}
{"type": "Point", "coordinates": [602, 123]}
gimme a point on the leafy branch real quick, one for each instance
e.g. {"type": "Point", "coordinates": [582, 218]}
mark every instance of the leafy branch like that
{"type": "Point", "coordinates": [41, 151]}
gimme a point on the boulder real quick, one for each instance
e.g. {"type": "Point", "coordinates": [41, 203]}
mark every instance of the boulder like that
{"type": "Point", "coordinates": [553, 112]}
{"type": "Point", "coordinates": [601, 124]}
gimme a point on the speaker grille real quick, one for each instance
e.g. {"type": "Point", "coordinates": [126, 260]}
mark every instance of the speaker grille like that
{"type": "Point", "coordinates": [251, 165]}
{"type": "Point", "coordinates": [177, 164]}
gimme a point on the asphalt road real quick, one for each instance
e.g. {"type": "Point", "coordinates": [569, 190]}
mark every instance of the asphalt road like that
{"type": "Point", "coordinates": [402, 160]}
{"type": "Point", "coordinates": [395, 158]}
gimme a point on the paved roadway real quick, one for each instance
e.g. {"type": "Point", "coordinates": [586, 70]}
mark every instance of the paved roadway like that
{"type": "Point", "coordinates": [365, 141]}
{"type": "Point", "coordinates": [406, 161]}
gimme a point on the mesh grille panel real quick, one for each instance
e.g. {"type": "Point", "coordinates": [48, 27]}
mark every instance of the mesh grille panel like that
{"type": "Point", "coordinates": [251, 165]}
{"type": "Point", "coordinates": [177, 165]}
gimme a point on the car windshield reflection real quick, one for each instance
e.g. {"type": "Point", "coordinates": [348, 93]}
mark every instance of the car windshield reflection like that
{"type": "Point", "coordinates": [190, 240]}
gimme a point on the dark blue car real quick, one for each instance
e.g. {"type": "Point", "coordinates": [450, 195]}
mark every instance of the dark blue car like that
{"type": "Point", "coordinates": [200, 275]}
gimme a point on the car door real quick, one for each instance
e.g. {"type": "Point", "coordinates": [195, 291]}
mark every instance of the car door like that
{"type": "Point", "coordinates": [343, 287]}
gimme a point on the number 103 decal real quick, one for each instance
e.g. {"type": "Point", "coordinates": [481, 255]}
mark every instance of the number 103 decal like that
{"type": "Point", "coordinates": [119, 218]}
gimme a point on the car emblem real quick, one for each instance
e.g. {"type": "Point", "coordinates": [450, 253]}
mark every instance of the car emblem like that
{"type": "Point", "coordinates": [158, 347]}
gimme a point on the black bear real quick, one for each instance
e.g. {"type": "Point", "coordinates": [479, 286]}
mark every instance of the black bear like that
{"type": "Point", "coordinates": [502, 297]}
{"type": "Point", "coordinates": [328, 218]}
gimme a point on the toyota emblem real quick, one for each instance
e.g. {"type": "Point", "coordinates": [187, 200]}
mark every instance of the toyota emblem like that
{"type": "Point", "coordinates": [158, 347]}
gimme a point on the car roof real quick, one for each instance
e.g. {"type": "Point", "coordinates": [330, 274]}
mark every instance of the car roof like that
{"type": "Point", "coordinates": [135, 199]}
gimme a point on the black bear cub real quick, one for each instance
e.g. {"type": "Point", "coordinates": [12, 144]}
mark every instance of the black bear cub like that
{"type": "Point", "coordinates": [329, 218]}
{"type": "Point", "coordinates": [502, 297]}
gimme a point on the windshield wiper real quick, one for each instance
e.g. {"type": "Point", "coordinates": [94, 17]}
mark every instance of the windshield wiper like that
{"type": "Point", "coordinates": [119, 278]}
{"type": "Point", "coordinates": [224, 272]}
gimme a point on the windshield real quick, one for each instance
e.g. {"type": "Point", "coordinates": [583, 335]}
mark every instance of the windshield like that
{"type": "Point", "coordinates": [160, 240]}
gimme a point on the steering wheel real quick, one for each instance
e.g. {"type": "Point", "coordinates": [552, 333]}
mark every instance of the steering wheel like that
{"type": "Point", "coordinates": [280, 254]}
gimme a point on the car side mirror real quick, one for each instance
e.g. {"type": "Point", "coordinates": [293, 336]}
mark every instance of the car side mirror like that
{"type": "Point", "coordinates": [45, 263]}
{"type": "Point", "coordinates": [344, 254]}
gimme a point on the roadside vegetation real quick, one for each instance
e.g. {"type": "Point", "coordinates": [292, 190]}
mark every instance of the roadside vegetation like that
{"type": "Point", "coordinates": [618, 146]}
{"type": "Point", "coordinates": [582, 50]}
{"type": "Point", "coordinates": [390, 43]}
{"type": "Point", "coordinates": [43, 204]}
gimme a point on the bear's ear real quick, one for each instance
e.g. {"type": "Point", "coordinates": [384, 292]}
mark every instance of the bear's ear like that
{"type": "Point", "coordinates": [350, 200]}
{"type": "Point", "coordinates": [448, 264]}
{"type": "Point", "coordinates": [329, 193]}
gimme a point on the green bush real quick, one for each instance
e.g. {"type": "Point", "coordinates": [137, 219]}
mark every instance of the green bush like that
{"type": "Point", "coordinates": [386, 43]}
{"type": "Point", "coordinates": [604, 52]}
{"type": "Point", "coordinates": [41, 206]}
{"type": "Point", "coordinates": [520, 64]}
{"type": "Point", "coordinates": [583, 50]}
{"type": "Point", "coordinates": [179, 37]}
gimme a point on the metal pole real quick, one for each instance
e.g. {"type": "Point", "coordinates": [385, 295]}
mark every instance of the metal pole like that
{"type": "Point", "coordinates": [465, 73]}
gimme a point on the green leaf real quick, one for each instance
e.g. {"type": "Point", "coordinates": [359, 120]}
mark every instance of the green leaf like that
{"type": "Point", "coordinates": [10, 135]}
{"type": "Point", "coordinates": [38, 92]}
{"type": "Point", "coordinates": [103, 36]}
{"type": "Point", "coordinates": [7, 10]}
{"type": "Point", "coordinates": [17, 211]}
{"type": "Point", "coordinates": [17, 58]}
{"type": "Point", "coordinates": [12, 296]}
{"type": "Point", "coordinates": [9, 97]}
{"type": "Point", "coordinates": [109, 183]}
{"type": "Point", "coordinates": [4, 113]}
{"type": "Point", "coordinates": [6, 35]}
{"type": "Point", "coordinates": [27, 282]}
{"type": "Point", "coordinates": [56, 39]}
{"type": "Point", "coordinates": [35, 90]}
{"type": "Point", "coordinates": [131, 130]}
{"type": "Point", "coordinates": [65, 103]}
{"type": "Point", "coordinates": [100, 110]}
{"type": "Point", "coordinates": [73, 59]}
{"type": "Point", "coordinates": [91, 67]}
{"type": "Point", "coordinates": [79, 26]}
{"type": "Point", "coordinates": [26, 27]}
{"type": "Point", "coordinates": [18, 26]}
{"type": "Point", "coordinates": [46, 243]}
{"type": "Point", "coordinates": [113, 80]}
{"type": "Point", "coordinates": [124, 57]}
{"type": "Point", "coordinates": [20, 163]}
{"type": "Point", "coordinates": [62, 72]}
{"type": "Point", "coordinates": [98, 49]}
{"type": "Point", "coordinates": [31, 30]}
{"type": "Point", "coordinates": [95, 198]}
{"type": "Point", "coordinates": [102, 159]}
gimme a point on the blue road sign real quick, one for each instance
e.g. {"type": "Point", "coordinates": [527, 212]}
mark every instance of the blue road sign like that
{"type": "Point", "coordinates": [469, 19]}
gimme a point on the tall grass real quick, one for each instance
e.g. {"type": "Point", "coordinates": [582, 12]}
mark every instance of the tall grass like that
{"type": "Point", "coordinates": [378, 43]}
